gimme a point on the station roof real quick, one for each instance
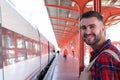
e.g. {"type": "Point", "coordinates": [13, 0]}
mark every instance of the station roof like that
{"type": "Point", "coordinates": [64, 15]}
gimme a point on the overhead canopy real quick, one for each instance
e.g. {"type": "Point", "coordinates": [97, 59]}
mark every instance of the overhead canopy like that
{"type": "Point", "coordinates": [65, 14]}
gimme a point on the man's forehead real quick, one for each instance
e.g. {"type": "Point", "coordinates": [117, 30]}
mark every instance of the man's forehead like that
{"type": "Point", "coordinates": [87, 21]}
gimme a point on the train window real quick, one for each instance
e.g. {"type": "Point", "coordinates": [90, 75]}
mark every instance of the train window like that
{"type": "Point", "coordinates": [21, 49]}
{"type": "Point", "coordinates": [8, 41]}
{"type": "Point", "coordinates": [26, 44]}
{"type": "Point", "coordinates": [38, 49]}
{"type": "Point", "coordinates": [8, 48]}
{"type": "Point", "coordinates": [29, 45]}
{"type": "Point", "coordinates": [35, 49]}
{"type": "Point", "coordinates": [20, 43]}
{"type": "Point", "coordinates": [11, 56]}
{"type": "Point", "coordinates": [21, 55]}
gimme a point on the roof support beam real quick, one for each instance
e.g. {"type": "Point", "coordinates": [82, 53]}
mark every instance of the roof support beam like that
{"type": "Point", "coordinates": [64, 7]}
{"type": "Point", "coordinates": [68, 19]}
{"type": "Point", "coordinates": [67, 26]}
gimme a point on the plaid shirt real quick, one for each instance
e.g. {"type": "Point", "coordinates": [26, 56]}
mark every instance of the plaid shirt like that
{"type": "Point", "coordinates": [106, 66]}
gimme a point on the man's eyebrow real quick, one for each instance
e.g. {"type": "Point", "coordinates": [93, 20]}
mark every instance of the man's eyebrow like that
{"type": "Point", "coordinates": [91, 25]}
{"type": "Point", "coordinates": [87, 25]}
{"type": "Point", "coordinates": [82, 25]}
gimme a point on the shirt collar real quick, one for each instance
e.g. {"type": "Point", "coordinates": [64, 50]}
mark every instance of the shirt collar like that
{"type": "Point", "coordinates": [104, 46]}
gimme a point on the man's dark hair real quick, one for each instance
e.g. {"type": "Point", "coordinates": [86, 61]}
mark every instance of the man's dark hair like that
{"type": "Point", "coordinates": [92, 14]}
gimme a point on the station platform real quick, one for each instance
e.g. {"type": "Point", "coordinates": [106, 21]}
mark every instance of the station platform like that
{"type": "Point", "coordinates": [66, 69]}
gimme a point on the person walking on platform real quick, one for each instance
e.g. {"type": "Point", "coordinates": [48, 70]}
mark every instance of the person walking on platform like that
{"type": "Point", "coordinates": [106, 64]}
{"type": "Point", "coordinates": [65, 54]}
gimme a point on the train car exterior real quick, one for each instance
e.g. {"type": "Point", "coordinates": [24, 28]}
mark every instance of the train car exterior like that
{"type": "Point", "coordinates": [24, 51]}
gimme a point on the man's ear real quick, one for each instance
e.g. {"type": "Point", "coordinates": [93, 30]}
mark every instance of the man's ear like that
{"type": "Point", "coordinates": [103, 28]}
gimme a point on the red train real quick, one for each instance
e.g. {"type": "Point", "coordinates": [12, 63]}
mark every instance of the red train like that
{"type": "Point", "coordinates": [23, 50]}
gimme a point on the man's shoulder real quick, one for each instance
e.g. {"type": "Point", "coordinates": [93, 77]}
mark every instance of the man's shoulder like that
{"type": "Point", "coordinates": [106, 56]}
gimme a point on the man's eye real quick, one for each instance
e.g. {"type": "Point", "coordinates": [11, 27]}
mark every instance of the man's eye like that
{"type": "Point", "coordinates": [92, 26]}
{"type": "Point", "coordinates": [83, 27]}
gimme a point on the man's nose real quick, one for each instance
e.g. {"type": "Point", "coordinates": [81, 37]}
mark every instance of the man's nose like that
{"type": "Point", "coordinates": [88, 30]}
